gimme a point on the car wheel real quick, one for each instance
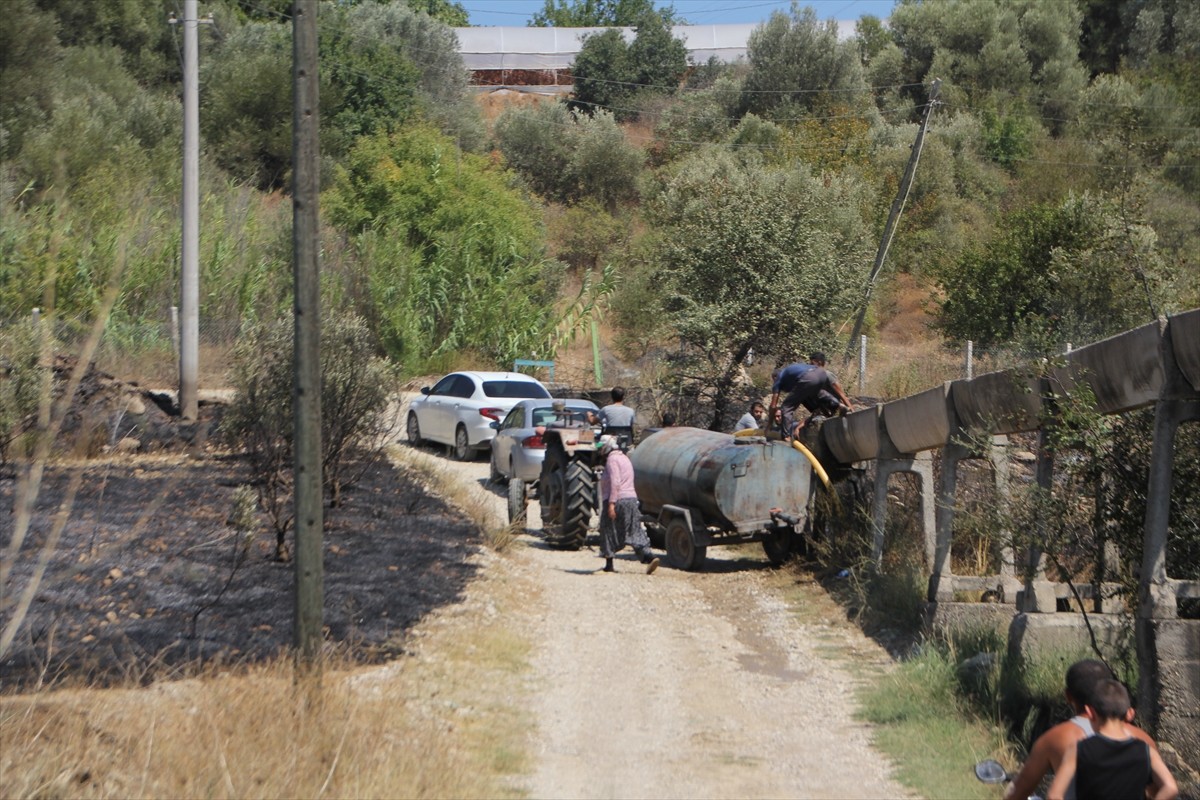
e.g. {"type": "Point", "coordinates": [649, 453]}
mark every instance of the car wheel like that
{"type": "Point", "coordinates": [414, 429]}
{"type": "Point", "coordinates": [462, 447]}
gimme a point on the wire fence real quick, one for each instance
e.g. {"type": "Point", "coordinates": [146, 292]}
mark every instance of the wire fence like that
{"type": "Point", "coordinates": [146, 351]}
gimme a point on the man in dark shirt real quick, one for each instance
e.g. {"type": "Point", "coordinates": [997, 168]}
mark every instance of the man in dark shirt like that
{"type": "Point", "coordinates": [808, 385]}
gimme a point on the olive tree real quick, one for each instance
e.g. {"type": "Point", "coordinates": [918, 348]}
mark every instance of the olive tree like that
{"type": "Point", "coordinates": [611, 74]}
{"type": "Point", "coordinates": [356, 386]}
{"type": "Point", "coordinates": [569, 157]}
{"type": "Point", "coordinates": [593, 13]}
{"type": "Point", "coordinates": [794, 59]}
{"type": "Point", "coordinates": [754, 258]}
{"type": "Point", "coordinates": [1068, 271]}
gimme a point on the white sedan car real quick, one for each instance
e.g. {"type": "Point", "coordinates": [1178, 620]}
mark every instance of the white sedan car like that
{"type": "Point", "coordinates": [458, 410]}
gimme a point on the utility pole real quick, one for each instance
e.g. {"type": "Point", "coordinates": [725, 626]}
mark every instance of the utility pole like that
{"type": "Point", "coordinates": [189, 290]}
{"type": "Point", "coordinates": [889, 230]}
{"type": "Point", "coordinates": [306, 394]}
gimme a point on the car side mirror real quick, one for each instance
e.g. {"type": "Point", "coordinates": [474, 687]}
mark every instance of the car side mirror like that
{"type": "Point", "coordinates": [494, 425]}
{"type": "Point", "coordinates": [424, 390]}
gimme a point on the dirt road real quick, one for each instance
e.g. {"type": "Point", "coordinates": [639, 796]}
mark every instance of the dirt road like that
{"type": "Point", "coordinates": [685, 684]}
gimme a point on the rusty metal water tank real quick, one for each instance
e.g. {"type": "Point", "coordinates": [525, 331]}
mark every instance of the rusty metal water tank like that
{"type": "Point", "coordinates": [733, 482]}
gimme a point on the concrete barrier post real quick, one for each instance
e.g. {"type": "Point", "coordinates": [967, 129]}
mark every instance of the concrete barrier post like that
{"type": "Point", "coordinates": [920, 465]}
{"type": "Point", "coordinates": [1038, 595]}
{"type": "Point", "coordinates": [941, 577]}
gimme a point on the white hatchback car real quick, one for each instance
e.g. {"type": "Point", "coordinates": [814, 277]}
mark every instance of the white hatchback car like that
{"type": "Point", "coordinates": [458, 410]}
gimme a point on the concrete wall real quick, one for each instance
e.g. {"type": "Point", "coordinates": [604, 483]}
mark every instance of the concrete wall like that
{"type": "Point", "coordinates": [1132, 370]}
{"type": "Point", "coordinates": [1124, 371]}
{"type": "Point", "coordinates": [998, 402]}
{"type": "Point", "coordinates": [1185, 340]}
{"type": "Point", "coordinates": [921, 421]}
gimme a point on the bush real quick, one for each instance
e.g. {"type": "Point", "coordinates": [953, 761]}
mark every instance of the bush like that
{"type": "Point", "coordinates": [21, 383]}
{"type": "Point", "coordinates": [355, 389]}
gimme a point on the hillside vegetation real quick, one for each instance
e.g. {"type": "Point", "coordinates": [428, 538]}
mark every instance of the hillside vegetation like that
{"type": "Point", "coordinates": [706, 211]}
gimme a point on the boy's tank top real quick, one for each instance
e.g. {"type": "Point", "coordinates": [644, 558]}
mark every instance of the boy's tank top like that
{"type": "Point", "coordinates": [1111, 769]}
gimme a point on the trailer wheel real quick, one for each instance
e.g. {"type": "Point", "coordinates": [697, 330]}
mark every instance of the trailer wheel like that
{"type": "Point", "coordinates": [780, 545]}
{"type": "Point", "coordinates": [682, 552]}
{"type": "Point", "coordinates": [518, 499]}
{"type": "Point", "coordinates": [568, 497]}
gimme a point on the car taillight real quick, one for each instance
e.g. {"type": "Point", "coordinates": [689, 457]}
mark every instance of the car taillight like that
{"type": "Point", "coordinates": [490, 413]}
{"type": "Point", "coordinates": [535, 442]}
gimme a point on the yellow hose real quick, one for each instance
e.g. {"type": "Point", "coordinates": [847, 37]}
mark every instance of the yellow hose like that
{"type": "Point", "coordinates": [816, 465]}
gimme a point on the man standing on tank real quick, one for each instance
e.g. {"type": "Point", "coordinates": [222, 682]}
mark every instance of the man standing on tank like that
{"type": "Point", "coordinates": [620, 517]}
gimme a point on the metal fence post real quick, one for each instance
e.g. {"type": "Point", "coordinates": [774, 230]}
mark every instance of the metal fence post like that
{"type": "Point", "coordinates": [862, 364]}
{"type": "Point", "coordinates": [970, 359]}
{"type": "Point", "coordinates": [175, 332]}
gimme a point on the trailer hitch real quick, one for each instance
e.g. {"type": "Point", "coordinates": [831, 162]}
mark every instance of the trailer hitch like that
{"type": "Point", "coordinates": [778, 515]}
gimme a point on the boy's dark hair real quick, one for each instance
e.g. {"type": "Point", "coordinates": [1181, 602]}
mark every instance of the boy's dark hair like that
{"type": "Point", "coordinates": [668, 419]}
{"type": "Point", "coordinates": [1082, 677]}
{"type": "Point", "coordinates": [1110, 699]}
{"type": "Point", "coordinates": [618, 394]}
{"type": "Point", "coordinates": [817, 356]}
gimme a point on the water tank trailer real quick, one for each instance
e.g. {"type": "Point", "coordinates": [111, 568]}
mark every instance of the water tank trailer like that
{"type": "Point", "coordinates": [699, 488]}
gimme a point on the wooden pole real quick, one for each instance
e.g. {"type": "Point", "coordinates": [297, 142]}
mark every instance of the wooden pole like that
{"type": "Point", "coordinates": [889, 230]}
{"type": "Point", "coordinates": [306, 396]}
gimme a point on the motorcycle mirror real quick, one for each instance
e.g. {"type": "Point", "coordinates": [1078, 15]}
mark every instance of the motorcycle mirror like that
{"type": "Point", "coordinates": [990, 771]}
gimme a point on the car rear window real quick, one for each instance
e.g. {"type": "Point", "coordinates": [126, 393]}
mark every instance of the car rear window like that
{"type": "Point", "coordinates": [544, 416]}
{"type": "Point", "coordinates": [514, 389]}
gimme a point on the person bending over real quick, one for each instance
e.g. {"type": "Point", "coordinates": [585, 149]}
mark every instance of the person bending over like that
{"type": "Point", "coordinates": [808, 385]}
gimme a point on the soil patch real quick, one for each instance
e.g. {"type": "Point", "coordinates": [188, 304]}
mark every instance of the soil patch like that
{"type": "Point", "coordinates": [145, 577]}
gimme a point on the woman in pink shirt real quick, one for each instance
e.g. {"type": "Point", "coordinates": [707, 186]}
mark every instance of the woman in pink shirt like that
{"type": "Point", "coordinates": [620, 517]}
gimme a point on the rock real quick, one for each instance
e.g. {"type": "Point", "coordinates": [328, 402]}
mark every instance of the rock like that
{"type": "Point", "coordinates": [128, 445]}
{"type": "Point", "coordinates": [1024, 456]}
{"type": "Point", "coordinates": [116, 574]}
{"type": "Point", "coordinates": [134, 405]}
{"type": "Point", "coordinates": [977, 667]}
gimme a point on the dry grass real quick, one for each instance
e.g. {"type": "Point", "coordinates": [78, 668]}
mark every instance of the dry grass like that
{"type": "Point", "coordinates": [472, 499]}
{"type": "Point", "coordinates": [442, 723]}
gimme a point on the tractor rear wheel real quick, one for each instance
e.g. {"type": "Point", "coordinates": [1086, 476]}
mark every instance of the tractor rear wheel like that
{"type": "Point", "coordinates": [567, 491]}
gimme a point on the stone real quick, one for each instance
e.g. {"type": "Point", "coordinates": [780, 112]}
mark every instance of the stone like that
{"type": "Point", "coordinates": [128, 445]}
{"type": "Point", "coordinates": [134, 405]}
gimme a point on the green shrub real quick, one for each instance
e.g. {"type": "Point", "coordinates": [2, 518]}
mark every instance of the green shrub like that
{"type": "Point", "coordinates": [22, 382]}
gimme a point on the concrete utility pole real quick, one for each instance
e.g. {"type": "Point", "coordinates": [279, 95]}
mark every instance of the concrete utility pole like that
{"type": "Point", "coordinates": [189, 300]}
{"type": "Point", "coordinates": [306, 395]}
{"type": "Point", "coordinates": [889, 230]}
